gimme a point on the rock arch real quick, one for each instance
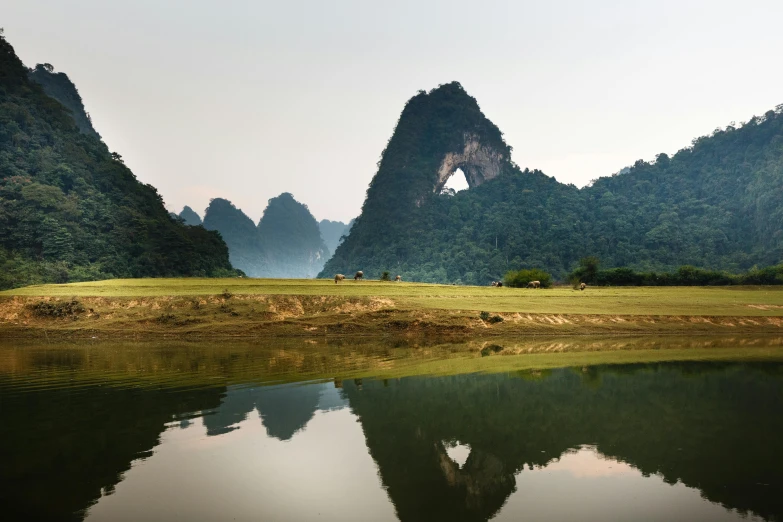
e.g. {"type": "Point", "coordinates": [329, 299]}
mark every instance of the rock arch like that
{"type": "Point", "coordinates": [478, 162]}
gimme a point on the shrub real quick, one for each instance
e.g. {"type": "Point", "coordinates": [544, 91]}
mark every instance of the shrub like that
{"type": "Point", "coordinates": [484, 316]}
{"type": "Point", "coordinates": [70, 309]}
{"type": "Point", "coordinates": [385, 276]}
{"type": "Point", "coordinates": [520, 278]}
{"type": "Point", "coordinates": [489, 350]}
{"type": "Point", "coordinates": [495, 319]}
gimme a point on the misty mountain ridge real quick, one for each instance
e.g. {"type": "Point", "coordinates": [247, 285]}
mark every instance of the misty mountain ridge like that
{"type": "Point", "coordinates": [190, 217]}
{"type": "Point", "coordinates": [332, 233]}
{"type": "Point", "coordinates": [286, 243]}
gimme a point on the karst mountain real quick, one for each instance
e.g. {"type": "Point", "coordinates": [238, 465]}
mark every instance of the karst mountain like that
{"type": "Point", "coordinates": [717, 203]}
{"type": "Point", "coordinates": [286, 243]}
{"type": "Point", "coordinates": [70, 209]}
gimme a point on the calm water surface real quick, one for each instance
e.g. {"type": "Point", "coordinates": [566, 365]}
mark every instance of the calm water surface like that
{"type": "Point", "coordinates": [117, 432]}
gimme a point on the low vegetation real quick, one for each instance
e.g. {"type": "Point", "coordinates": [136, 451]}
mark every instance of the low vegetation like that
{"type": "Point", "coordinates": [588, 272]}
{"type": "Point", "coordinates": [521, 278]}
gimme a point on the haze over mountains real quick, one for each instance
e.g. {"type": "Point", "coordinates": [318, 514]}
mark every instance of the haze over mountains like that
{"type": "Point", "coordinates": [287, 242]}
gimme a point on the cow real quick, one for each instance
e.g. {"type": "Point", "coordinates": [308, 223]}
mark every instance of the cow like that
{"type": "Point", "coordinates": [494, 283]}
{"type": "Point", "coordinates": [338, 278]}
{"type": "Point", "coordinates": [534, 284]}
{"type": "Point", "coordinates": [359, 275]}
{"type": "Point", "coordinates": [500, 283]}
{"type": "Point", "coordinates": [582, 286]}
{"type": "Point", "coordinates": [398, 278]}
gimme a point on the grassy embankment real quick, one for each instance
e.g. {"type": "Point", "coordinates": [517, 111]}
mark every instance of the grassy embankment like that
{"type": "Point", "coordinates": [258, 307]}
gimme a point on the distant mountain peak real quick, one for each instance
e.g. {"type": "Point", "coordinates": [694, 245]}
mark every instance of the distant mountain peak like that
{"type": "Point", "coordinates": [190, 217]}
{"type": "Point", "coordinates": [438, 132]}
{"type": "Point", "coordinates": [61, 88]}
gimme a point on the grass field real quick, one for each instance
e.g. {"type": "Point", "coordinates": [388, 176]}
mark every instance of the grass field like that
{"type": "Point", "coordinates": [250, 307]}
{"type": "Point", "coordinates": [703, 301]}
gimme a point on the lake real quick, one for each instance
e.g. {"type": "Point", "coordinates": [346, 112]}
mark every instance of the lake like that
{"type": "Point", "coordinates": [663, 429]}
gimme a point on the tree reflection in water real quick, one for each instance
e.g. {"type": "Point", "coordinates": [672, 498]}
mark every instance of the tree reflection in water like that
{"type": "Point", "coordinates": [451, 448]}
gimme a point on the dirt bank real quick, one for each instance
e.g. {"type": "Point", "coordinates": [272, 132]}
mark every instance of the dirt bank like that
{"type": "Point", "coordinates": [289, 315]}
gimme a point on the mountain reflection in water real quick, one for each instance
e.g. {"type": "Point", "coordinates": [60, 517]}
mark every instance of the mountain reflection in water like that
{"type": "Point", "coordinates": [663, 441]}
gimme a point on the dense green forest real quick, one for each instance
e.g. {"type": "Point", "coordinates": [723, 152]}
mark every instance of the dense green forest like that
{"type": "Point", "coordinates": [286, 243]}
{"type": "Point", "coordinates": [717, 204]}
{"type": "Point", "coordinates": [69, 208]}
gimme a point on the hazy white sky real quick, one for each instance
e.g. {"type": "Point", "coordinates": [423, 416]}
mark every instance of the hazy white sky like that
{"type": "Point", "coordinates": [248, 99]}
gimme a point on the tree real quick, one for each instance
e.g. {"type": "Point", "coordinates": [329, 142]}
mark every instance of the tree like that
{"type": "Point", "coordinates": [586, 272]}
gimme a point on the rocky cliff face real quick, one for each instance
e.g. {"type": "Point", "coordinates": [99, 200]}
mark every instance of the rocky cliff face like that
{"type": "Point", "coordinates": [479, 162]}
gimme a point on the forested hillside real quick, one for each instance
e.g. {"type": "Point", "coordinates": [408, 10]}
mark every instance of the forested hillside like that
{"type": "Point", "coordinates": [71, 210]}
{"type": "Point", "coordinates": [716, 204]}
{"type": "Point", "coordinates": [286, 243]}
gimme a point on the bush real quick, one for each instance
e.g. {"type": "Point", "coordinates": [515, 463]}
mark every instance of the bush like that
{"type": "Point", "coordinates": [70, 309]}
{"type": "Point", "coordinates": [489, 350]}
{"type": "Point", "coordinates": [484, 316]}
{"type": "Point", "coordinates": [495, 319]}
{"type": "Point", "coordinates": [385, 276]}
{"type": "Point", "coordinates": [520, 278]}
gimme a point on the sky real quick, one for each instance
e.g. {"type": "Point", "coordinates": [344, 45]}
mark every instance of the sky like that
{"type": "Point", "coordinates": [248, 99]}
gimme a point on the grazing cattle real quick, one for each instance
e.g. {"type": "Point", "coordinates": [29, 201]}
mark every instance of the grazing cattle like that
{"type": "Point", "coordinates": [534, 284]}
{"type": "Point", "coordinates": [494, 283]}
{"type": "Point", "coordinates": [398, 278]}
{"type": "Point", "coordinates": [338, 278]}
{"type": "Point", "coordinates": [500, 283]}
{"type": "Point", "coordinates": [582, 286]}
{"type": "Point", "coordinates": [359, 275]}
